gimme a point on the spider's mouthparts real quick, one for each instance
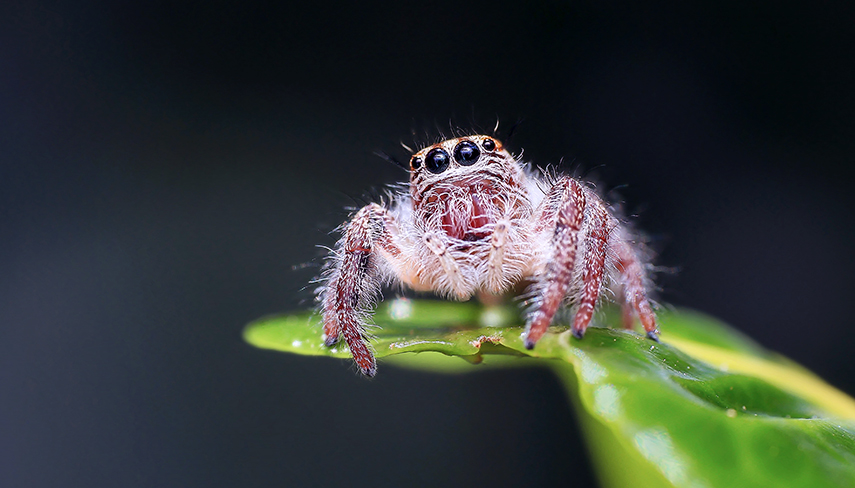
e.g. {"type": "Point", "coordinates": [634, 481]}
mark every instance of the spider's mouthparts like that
{"type": "Point", "coordinates": [464, 220]}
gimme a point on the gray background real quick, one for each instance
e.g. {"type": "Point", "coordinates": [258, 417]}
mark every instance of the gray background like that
{"type": "Point", "coordinates": [164, 167]}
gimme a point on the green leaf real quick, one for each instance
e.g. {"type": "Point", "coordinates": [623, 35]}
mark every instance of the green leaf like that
{"type": "Point", "coordinates": [707, 407]}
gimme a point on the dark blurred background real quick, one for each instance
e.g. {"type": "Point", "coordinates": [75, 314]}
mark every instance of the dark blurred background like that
{"type": "Point", "coordinates": [164, 167]}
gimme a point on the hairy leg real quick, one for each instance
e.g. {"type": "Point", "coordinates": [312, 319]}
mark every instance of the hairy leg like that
{"type": "Point", "coordinates": [594, 268]}
{"type": "Point", "coordinates": [353, 282]}
{"type": "Point", "coordinates": [632, 276]}
{"type": "Point", "coordinates": [568, 209]}
{"type": "Point", "coordinates": [627, 313]}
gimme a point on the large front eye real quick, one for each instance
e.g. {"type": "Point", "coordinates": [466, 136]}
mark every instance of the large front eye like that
{"type": "Point", "coordinates": [466, 153]}
{"type": "Point", "coordinates": [437, 160]}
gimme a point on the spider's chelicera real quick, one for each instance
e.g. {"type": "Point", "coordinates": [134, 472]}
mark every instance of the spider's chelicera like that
{"type": "Point", "coordinates": [475, 220]}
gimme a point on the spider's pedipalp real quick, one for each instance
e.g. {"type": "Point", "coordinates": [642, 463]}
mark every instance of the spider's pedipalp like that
{"type": "Point", "coordinates": [498, 243]}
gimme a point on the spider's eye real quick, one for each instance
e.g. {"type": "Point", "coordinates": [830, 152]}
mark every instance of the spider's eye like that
{"type": "Point", "coordinates": [416, 163]}
{"type": "Point", "coordinates": [466, 153]}
{"type": "Point", "coordinates": [437, 160]}
{"type": "Point", "coordinates": [489, 144]}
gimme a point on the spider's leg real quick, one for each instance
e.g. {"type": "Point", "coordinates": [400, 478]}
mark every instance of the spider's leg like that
{"type": "Point", "coordinates": [594, 268]}
{"type": "Point", "coordinates": [495, 271]}
{"type": "Point", "coordinates": [566, 204]}
{"type": "Point", "coordinates": [627, 313]}
{"type": "Point", "coordinates": [635, 293]}
{"type": "Point", "coordinates": [437, 245]}
{"type": "Point", "coordinates": [353, 282]}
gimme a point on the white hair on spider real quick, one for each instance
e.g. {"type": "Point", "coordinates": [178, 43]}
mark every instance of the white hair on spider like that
{"type": "Point", "coordinates": [474, 219]}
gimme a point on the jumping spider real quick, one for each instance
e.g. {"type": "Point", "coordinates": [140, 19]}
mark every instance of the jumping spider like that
{"type": "Point", "coordinates": [476, 219]}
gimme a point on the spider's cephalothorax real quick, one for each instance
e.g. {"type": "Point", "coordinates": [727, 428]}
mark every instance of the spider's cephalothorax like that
{"type": "Point", "coordinates": [476, 219]}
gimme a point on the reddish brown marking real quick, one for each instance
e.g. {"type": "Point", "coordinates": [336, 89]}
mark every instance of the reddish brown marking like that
{"type": "Point", "coordinates": [646, 315]}
{"type": "Point", "coordinates": [348, 294]}
{"type": "Point", "coordinates": [331, 327]}
{"type": "Point", "coordinates": [359, 349]}
{"type": "Point", "coordinates": [384, 240]}
{"type": "Point", "coordinates": [358, 248]}
{"type": "Point", "coordinates": [592, 275]}
{"type": "Point", "coordinates": [489, 339]}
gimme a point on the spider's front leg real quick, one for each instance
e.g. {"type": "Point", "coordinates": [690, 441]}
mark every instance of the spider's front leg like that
{"type": "Point", "coordinates": [354, 278]}
{"type": "Point", "coordinates": [565, 203]}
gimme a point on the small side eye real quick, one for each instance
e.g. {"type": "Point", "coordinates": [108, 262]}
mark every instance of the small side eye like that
{"type": "Point", "coordinates": [489, 144]}
{"type": "Point", "coordinates": [416, 163]}
{"type": "Point", "coordinates": [437, 160]}
{"type": "Point", "coordinates": [466, 153]}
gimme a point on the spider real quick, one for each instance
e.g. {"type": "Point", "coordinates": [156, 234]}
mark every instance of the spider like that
{"type": "Point", "coordinates": [478, 220]}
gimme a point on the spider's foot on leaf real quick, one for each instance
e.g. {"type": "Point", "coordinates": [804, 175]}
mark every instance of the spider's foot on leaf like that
{"type": "Point", "coordinates": [364, 359]}
{"type": "Point", "coordinates": [653, 335]}
{"type": "Point", "coordinates": [531, 337]}
{"type": "Point", "coordinates": [369, 371]}
{"type": "Point", "coordinates": [578, 333]}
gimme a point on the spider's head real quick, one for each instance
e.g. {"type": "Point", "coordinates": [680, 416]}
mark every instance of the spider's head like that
{"type": "Point", "coordinates": [463, 160]}
{"type": "Point", "coordinates": [463, 185]}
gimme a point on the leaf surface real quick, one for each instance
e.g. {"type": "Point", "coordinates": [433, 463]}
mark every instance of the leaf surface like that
{"type": "Point", "coordinates": [707, 407]}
